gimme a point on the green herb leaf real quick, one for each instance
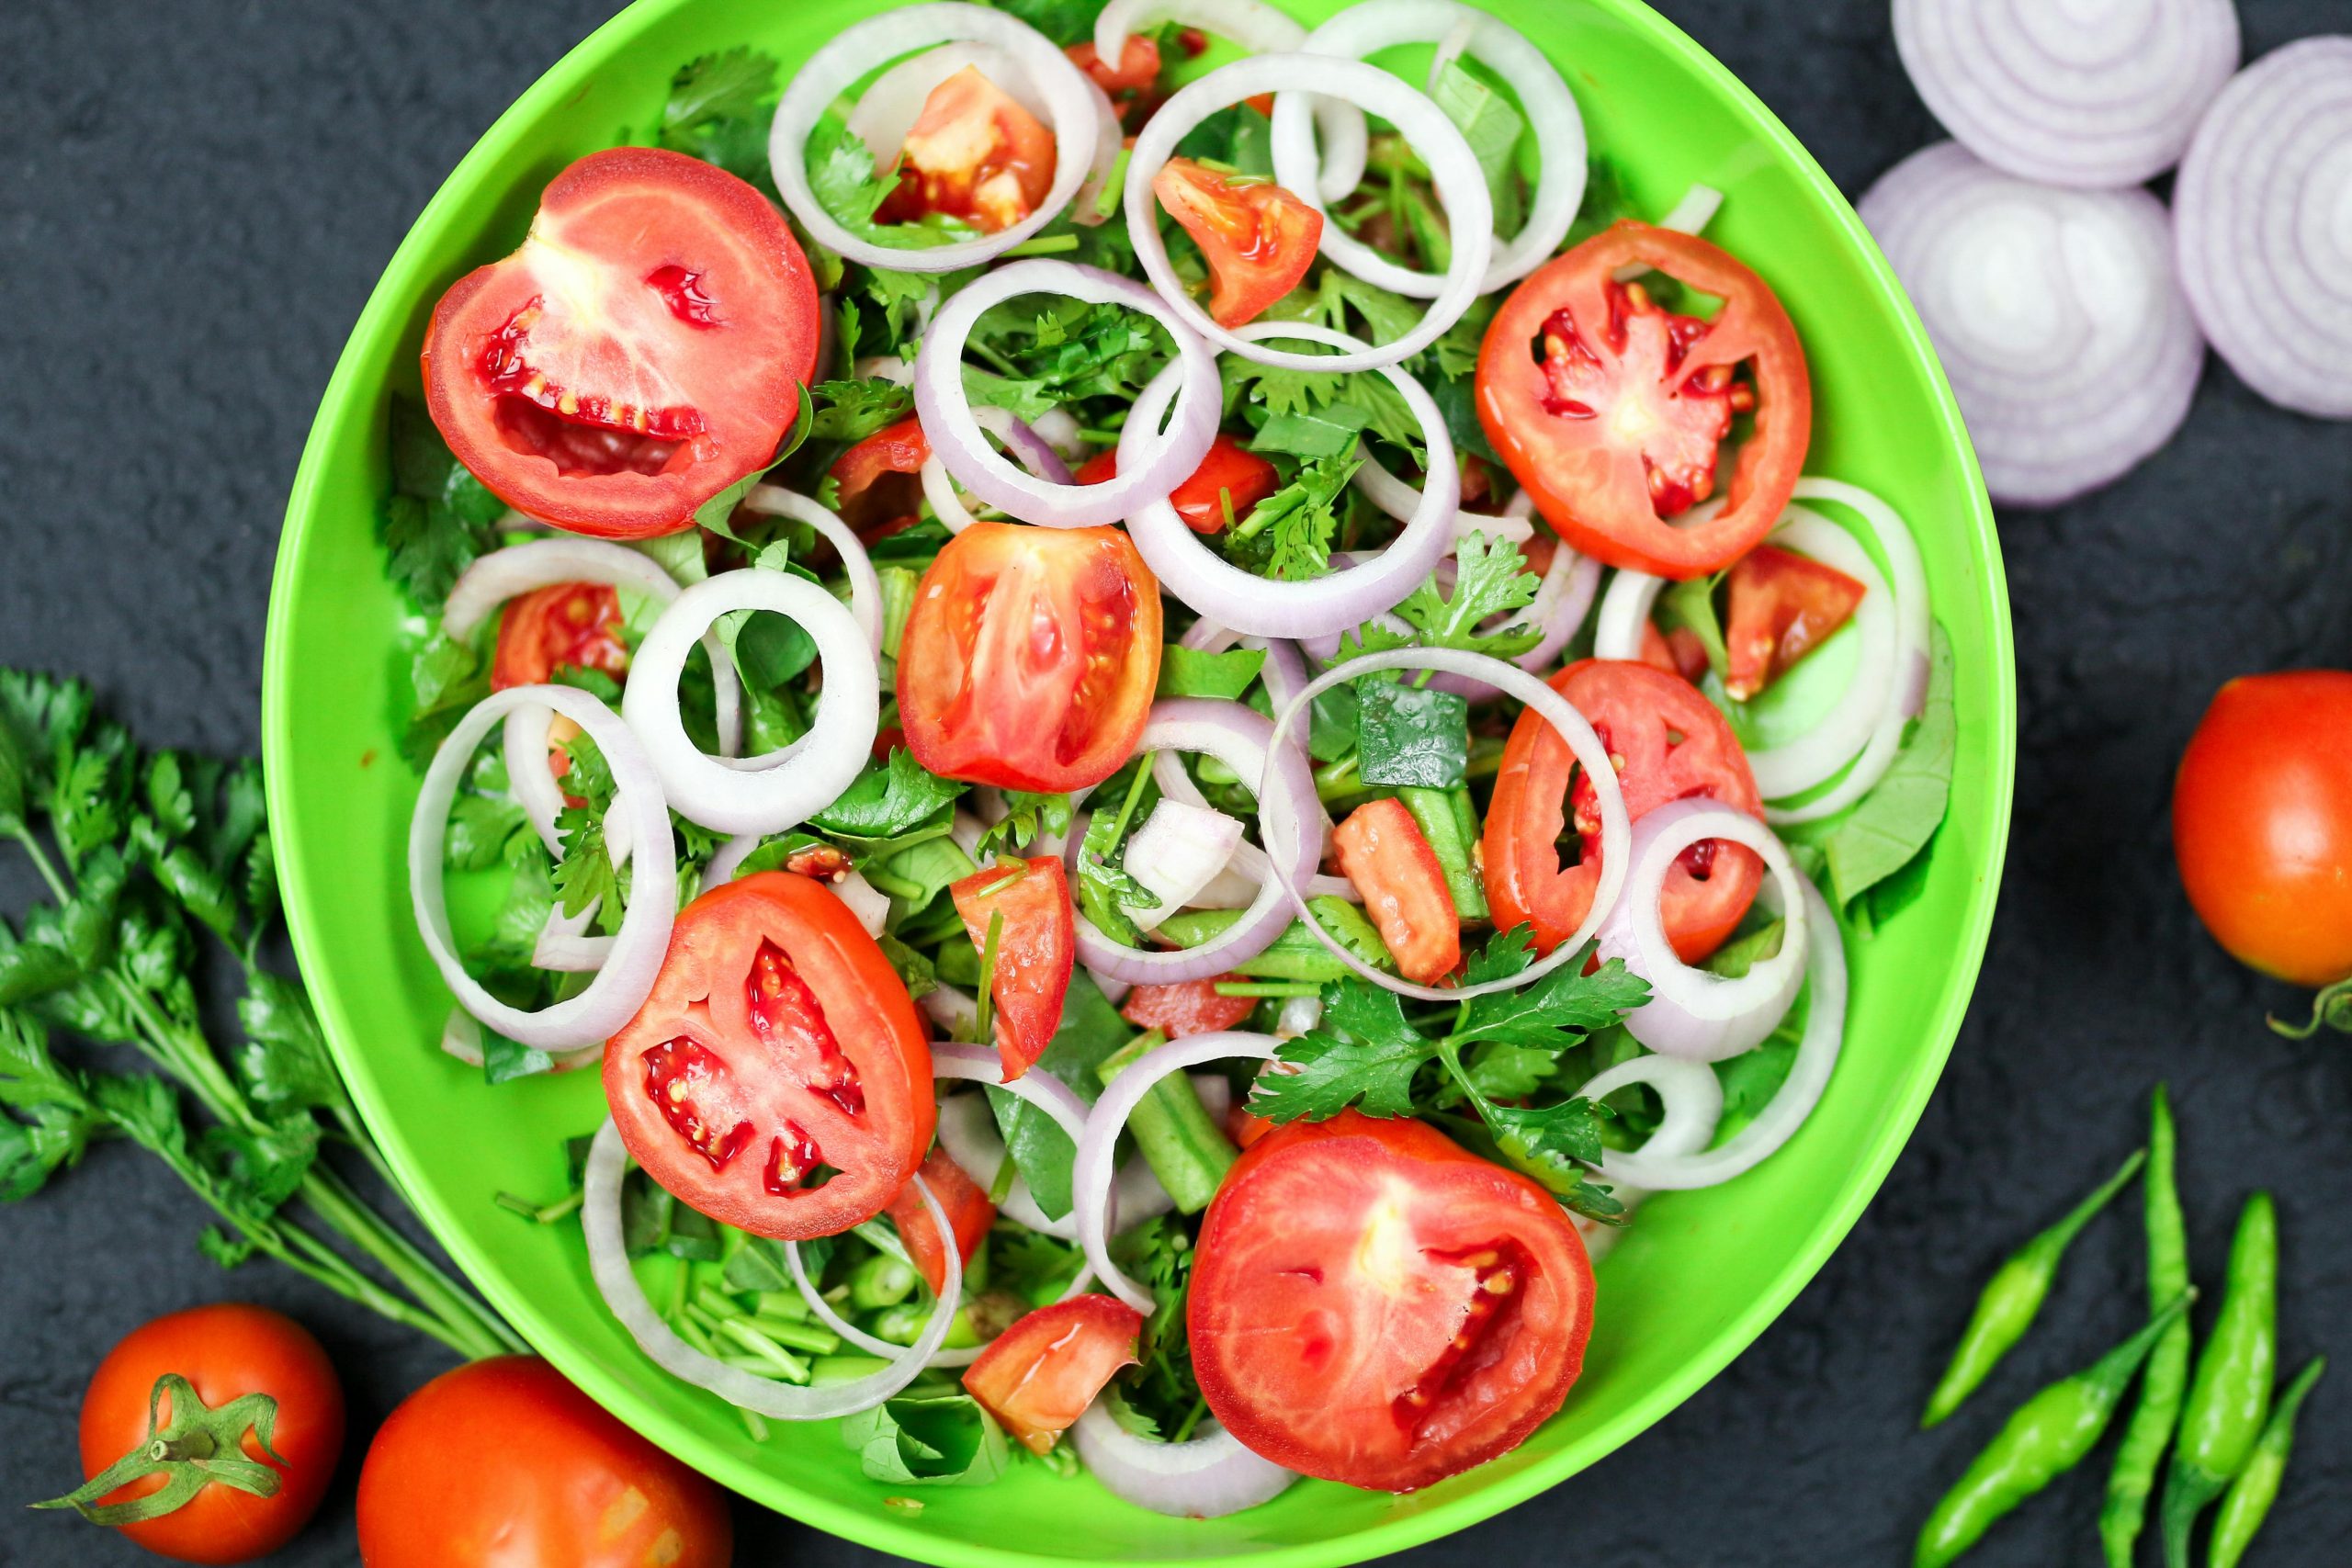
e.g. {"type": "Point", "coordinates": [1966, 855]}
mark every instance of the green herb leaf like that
{"type": "Point", "coordinates": [1556, 1011]}
{"type": "Point", "coordinates": [1092, 1030]}
{"type": "Point", "coordinates": [939, 1438]}
{"type": "Point", "coordinates": [1329, 431]}
{"type": "Point", "coordinates": [1492, 124]}
{"type": "Point", "coordinates": [1411, 736]}
{"type": "Point", "coordinates": [889, 798]}
{"type": "Point", "coordinates": [1892, 823]}
{"type": "Point", "coordinates": [1188, 672]}
{"type": "Point", "coordinates": [440, 519]}
{"type": "Point", "coordinates": [852, 409]}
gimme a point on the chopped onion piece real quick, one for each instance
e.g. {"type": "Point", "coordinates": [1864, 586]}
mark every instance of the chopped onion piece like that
{"type": "Point", "coordinates": [1176, 853]}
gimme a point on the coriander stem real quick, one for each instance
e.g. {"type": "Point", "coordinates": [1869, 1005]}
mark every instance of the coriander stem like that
{"type": "Point", "coordinates": [48, 869]}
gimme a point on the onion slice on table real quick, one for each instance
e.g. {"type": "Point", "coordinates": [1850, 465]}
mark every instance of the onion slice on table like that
{"type": "Point", "coordinates": [1205, 1477]}
{"type": "Point", "coordinates": [1454, 169]}
{"type": "Point", "coordinates": [1154, 466]}
{"type": "Point", "coordinates": [864, 587]}
{"type": "Point", "coordinates": [600, 1217]}
{"type": "Point", "coordinates": [855, 50]}
{"type": "Point", "coordinates": [773, 792]}
{"type": "Point", "coordinates": [1363, 30]}
{"type": "Point", "coordinates": [2262, 214]}
{"type": "Point", "coordinates": [2057, 314]}
{"type": "Point", "coordinates": [626, 977]}
{"type": "Point", "coordinates": [2066, 93]}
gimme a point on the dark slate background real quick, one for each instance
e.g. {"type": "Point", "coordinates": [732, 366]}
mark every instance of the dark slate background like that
{"type": "Point", "coordinates": [198, 198]}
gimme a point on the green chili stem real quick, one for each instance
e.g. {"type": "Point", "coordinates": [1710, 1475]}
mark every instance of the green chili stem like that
{"type": "Point", "coordinates": [1044, 245]}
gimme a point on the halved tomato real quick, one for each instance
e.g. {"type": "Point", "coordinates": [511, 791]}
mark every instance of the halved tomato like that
{"type": "Point", "coordinates": [973, 153]}
{"type": "Point", "coordinates": [878, 482]}
{"type": "Point", "coordinates": [1229, 482]}
{"type": "Point", "coordinates": [1610, 411]}
{"type": "Point", "coordinates": [1036, 948]}
{"type": "Point", "coordinates": [1030, 656]}
{"type": "Point", "coordinates": [1783, 606]}
{"type": "Point", "coordinates": [1040, 1375]}
{"type": "Point", "coordinates": [969, 1215]}
{"type": "Point", "coordinates": [1667, 743]}
{"type": "Point", "coordinates": [1259, 239]}
{"type": "Point", "coordinates": [1192, 1007]}
{"type": "Point", "coordinates": [566, 625]}
{"type": "Point", "coordinates": [641, 352]}
{"type": "Point", "coordinates": [1383, 851]}
{"type": "Point", "coordinates": [777, 1080]}
{"type": "Point", "coordinates": [1372, 1304]}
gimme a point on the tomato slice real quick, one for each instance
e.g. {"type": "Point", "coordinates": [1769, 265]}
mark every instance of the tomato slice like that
{"type": "Point", "coordinates": [1783, 606]}
{"type": "Point", "coordinates": [1668, 743]}
{"type": "Point", "coordinates": [1040, 1375]}
{"type": "Point", "coordinates": [969, 1215]}
{"type": "Point", "coordinates": [1191, 1007]}
{"type": "Point", "coordinates": [1610, 410]}
{"type": "Point", "coordinates": [1229, 482]}
{"type": "Point", "coordinates": [1135, 73]}
{"type": "Point", "coordinates": [1382, 850]}
{"type": "Point", "coordinates": [1029, 657]}
{"type": "Point", "coordinates": [1259, 239]}
{"type": "Point", "coordinates": [566, 626]}
{"type": "Point", "coordinates": [1035, 947]}
{"type": "Point", "coordinates": [973, 153]}
{"type": "Point", "coordinates": [777, 1080]}
{"type": "Point", "coordinates": [1372, 1304]}
{"type": "Point", "coordinates": [879, 480]}
{"type": "Point", "coordinates": [641, 352]}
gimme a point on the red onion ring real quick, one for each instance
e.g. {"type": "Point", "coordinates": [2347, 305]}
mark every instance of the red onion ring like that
{"type": "Point", "coordinates": [1624, 612]}
{"type": "Point", "coordinates": [2069, 95]}
{"type": "Point", "coordinates": [2057, 314]}
{"type": "Point", "coordinates": [621, 987]}
{"type": "Point", "coordinates": [1035, 453]}
{"type": "Point", "coordinates": [857, 50]}
{"type": "Point", "coordinates": [1157, 463]}
{"type": "Point", "coordinates": [864, 587]}
{"type": "Point", "coordinates": [2262, 214]}
{"type": "Point", "coordinates": [1208, 1477]}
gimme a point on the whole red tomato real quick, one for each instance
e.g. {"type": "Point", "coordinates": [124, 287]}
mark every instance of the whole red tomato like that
{"type": "Point", "coordinates": [2262, 823]}
{"type": "Point", "coordinates": [225, 1351]}
{"type": "Point", "coordinates": [502, 1464]}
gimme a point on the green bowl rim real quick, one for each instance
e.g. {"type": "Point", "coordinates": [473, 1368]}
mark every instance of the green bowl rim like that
{"type": "Point", "coordinates": [883, 1531]}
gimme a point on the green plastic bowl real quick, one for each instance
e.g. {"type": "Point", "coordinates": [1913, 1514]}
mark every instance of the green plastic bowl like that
{"type": "Point", "coordinates": [1697, 1278]}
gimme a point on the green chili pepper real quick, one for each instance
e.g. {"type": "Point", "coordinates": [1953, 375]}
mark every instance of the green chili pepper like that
{"type": "Point", "coordinates": [2257, 1486]}
{"type": "Point", "coordinates": [2047, 1437]}
{"type": "Point", "coordinates": [2165, 1382]}
{"type": "Point", "coordinates": [1450, 822]}
{"type": "Point", "coordinates": [880, 1281]}
{"type": "Point", "coordinates": [2229, 1396]}
{"type": "Point", "coordinates": [2013, 1295]}
{"type": "Point", "coordinates": [1188, 1152]}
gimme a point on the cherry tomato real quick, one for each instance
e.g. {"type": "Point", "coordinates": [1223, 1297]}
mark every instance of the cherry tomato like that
{"type": "Point", "coordinates": [1371, 1303]}
{"type": "Point", "coordinates": [1384, 852]}
{"type": "Point", "coordinates": [571, 624]}
{"type": "Point", "coordinates": [503, 1464]}
{"type": "Point", "coordinates": [1035, 947]}
{"type": "Point", "coordinates": [1257, 239]}
{"type": "Point", "coordinates": [2262, 823]}
{"type": "Point", "coordinates": [1229, 482]}
{"type": "Point", "coordinates": [225, 1351]}
{"type": "Point", "coordinates": [1029, 657]}
{"type": "Point", "coordinates": [641, 352]}
{"type": "Point", "coordinates": [973, 153]}
{"type": "Point", "coordinates": [969, 1215]}
{"type": "Point", "coordinates": [778, 1045]}
{"type": "Point", "coordinates": [877, 479]}
{"type": "Point", "coordinates": [1040, 1375]}
{"type": "Point", "coordinates": [1610, 410]}
{"type": "Point", "coordinates": [1668, 743]}
{"type": "Point", "coordinates": [1190, 1007]}
{"type": "Point", "coordinates": [1783, 606]}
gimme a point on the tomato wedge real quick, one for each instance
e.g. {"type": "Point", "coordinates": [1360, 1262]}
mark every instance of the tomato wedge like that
{"type": "Point", "coordinates": [641, 352]}
{"type": "Point", "coordinates": [973, 153]}
{"type": "Point", "coordinates": [1134, 73]}
{"type": "Point", "coordinates": [1372, 1304]}
{"type": "Point", "coordinates": [572, 625]}
{"type": "Point", "coordinates": [1610, 410]}
{"type": "Point", "coordinates": [1040, 1375]}
{"type": "Point", "coordinates": [777, 1080]}
{"type": "Point", "coordinates": [1029, 657]}
{"type": "Point", "coordinates": [1035, 946]}
{"type": "Point", "coordinates": [1383, 851]}
{"type": "Point", "coordinates": [1259, 239]}
{"type": "Point", "coordinates": [1783, 606]}
{"type": "Point", "coordinates": [877, 481]}
{"type": "Point", "coordinates": [1679, 652]}
{"type": "Point", "coordinates": [1229, 482]}
{"type": "Point", "coordinates": [1191, 1007]}
{"type": "Point", "coordinates": [1668, 743]}
{"type": "Point", "coordinates": [969, 1215]}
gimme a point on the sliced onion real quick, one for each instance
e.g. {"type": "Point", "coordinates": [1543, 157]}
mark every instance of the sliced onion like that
{"type": "Point", "coordinates": [967, 1131]}
{"type": "Point", "coordinates": [1401, 501]}
{"type": "Point", "coordinates": [953, 1010]}
{"type": "Point", "coordinates": [766, 793]}
{"type": "Point", "coordinates": [864, 587]}
{"type": "Point", "coordinates": [1363, 30]}
{"type": "Point", "coordinates": [461, 1038]}
{"type": "Point", "coordinates": [887, 110]}
{"type": "Point", "coordinates": [1689, 216]}
{"type": "Point", "coordinates": [1154, 465]}
{"type": "Point", "coordinates": [565, 947]}
{"type": "Point", "coordinates": [1205, 1478]}
{"type": "Point", "coordinates": [868, 903]}
{"type": "Point", "coordinates": [1454, 169]}
{"type": "Point", "coordinates": [1178, 851]}
{"type": "Point", "coordinates": [621, 987]}
{"type": "Point", "coordinates": [728, 860]}
{"type": "Point", "coordinates": [2262, 212]}
{"type": "Point", "coordinates": [2057, 314]}
{"type": "Point", "coordinates": [1035, 452]}
{"type": "Point", "coordinates": [1090, 1178]}
{"type": "Point", "coordinates": [856, 50]}
{"type": "Point", "coordinates": [1692, 1014]}
{"type": "Point", "coordinates": [1840, 734]}
{"type": "Point", "coordinates": [1624, 612]}
{"type": "Point", "coordinates": [600, 1217]}
{"type": "Point", "coordinates": [1615, 831]}
{"type": "Point", "coordinates": [2096, 96]}
{"type": "Point", "coordinates": [1298, 1016]}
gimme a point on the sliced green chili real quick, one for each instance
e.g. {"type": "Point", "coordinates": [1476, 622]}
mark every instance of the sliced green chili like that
{"type": "Point", "coordinates": [2229, 1395]}
{"type": "Point", "coordinates": [2257, 1487]}
{"type": "Point", "coordinates": [2014, 1295]}
{"type": "Point", "coordinates": [1185, 1148]}
{"type": "Point", "coordinates": [2165, 1382]}
{"type": "Point", "coordinates": [1450, 823]}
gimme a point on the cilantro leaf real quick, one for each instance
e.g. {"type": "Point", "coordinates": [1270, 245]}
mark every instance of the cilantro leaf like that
{"type": "Point", "coordinates": [887, 798]}
{"type": "Point", "coordinates": [716, 86]}
{"type": "Point", "coordinates": [1064, 21]}
{"type": "Point", "coordinates": [855, 409]}
{"type": "Point", "coordinates": [1491, 579]}
{"type": "Point", "coordinates": [440, 519]}
{"type": "Point", "coordinates": [1557, 1010]}
{"type": "Point", "coordinates": [1365, 1054]}
{"type": "Point", "coordinates": [1328, 430]}
{"type": "Point", "coordinates": [1288, 536]}
{"type": "Point", "coordinates": [1026, 816]}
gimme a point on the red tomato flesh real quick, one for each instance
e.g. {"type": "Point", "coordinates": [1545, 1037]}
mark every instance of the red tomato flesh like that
{"type": "Point", "coordinates": [1036, 946]}
{"type": "Point", "coordinates": [574, 626]}
{"type": "Point", "coordinates": [973, 153]}
{"type": "Point", "coordinates": [1135, 73]}
{"type": "Point", "coordinates": [1191, 1007]}
{"type": "Point", "coordinates": [1040, 1375]}
{"type": "Point", "coordinates": [878, 481]}
{"type": "Point", "coordinates": [969, 1215]}
{"type": "Point", "coordinates": [1229, 482]}
{"type": "Point", "coordinates": [1382, 850]}
{"type": "Point", "coordinates": [1257, 239]}
{"type": "Point", "coordinates": [1783, 606]}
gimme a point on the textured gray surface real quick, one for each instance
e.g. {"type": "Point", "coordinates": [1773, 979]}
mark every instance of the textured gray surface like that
{"type": "Point", "coordinates": [196, 200]}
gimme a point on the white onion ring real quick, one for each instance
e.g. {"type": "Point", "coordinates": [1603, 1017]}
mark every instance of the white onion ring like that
{"type": "Point", "coordinates": [1693, 1098]}
{"type": "Point", "coordinates": [864, 587]}
{"type": "Point", "coordinates": [600, 1217]}
{"type": "Point", "coordinates": [887, 109]}
{"type": "Point", "coordinates": [1624, 612]}
{"type": "Point", "coordinates": [1034, 452]}
{"type": "Point", "coordinates": [1367, 28]}
{"type": "Point", "coordinates": [1206, 1477]}
{"type": "Point", "coordinates": [1401, 501]}
{"type": "Point", "coordinates": [856, 50]}
{"type": "Point", "coordinates": [2098, 96]}
{"type": "Point", "coordinates": [968, 1131]}
{"type": "Point", "coordinates": [621, 987]}
{"type": "Point", "coordinates": [461, 1038]}
{"type": "Point", "coordinates": [766, 793]}
{"type": "Point", "coordinates": [1841, 735]}
{"type": "Point", "coordinates": [565, 947]}
{"type": "Point", "coordinates": [1453, 168]}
